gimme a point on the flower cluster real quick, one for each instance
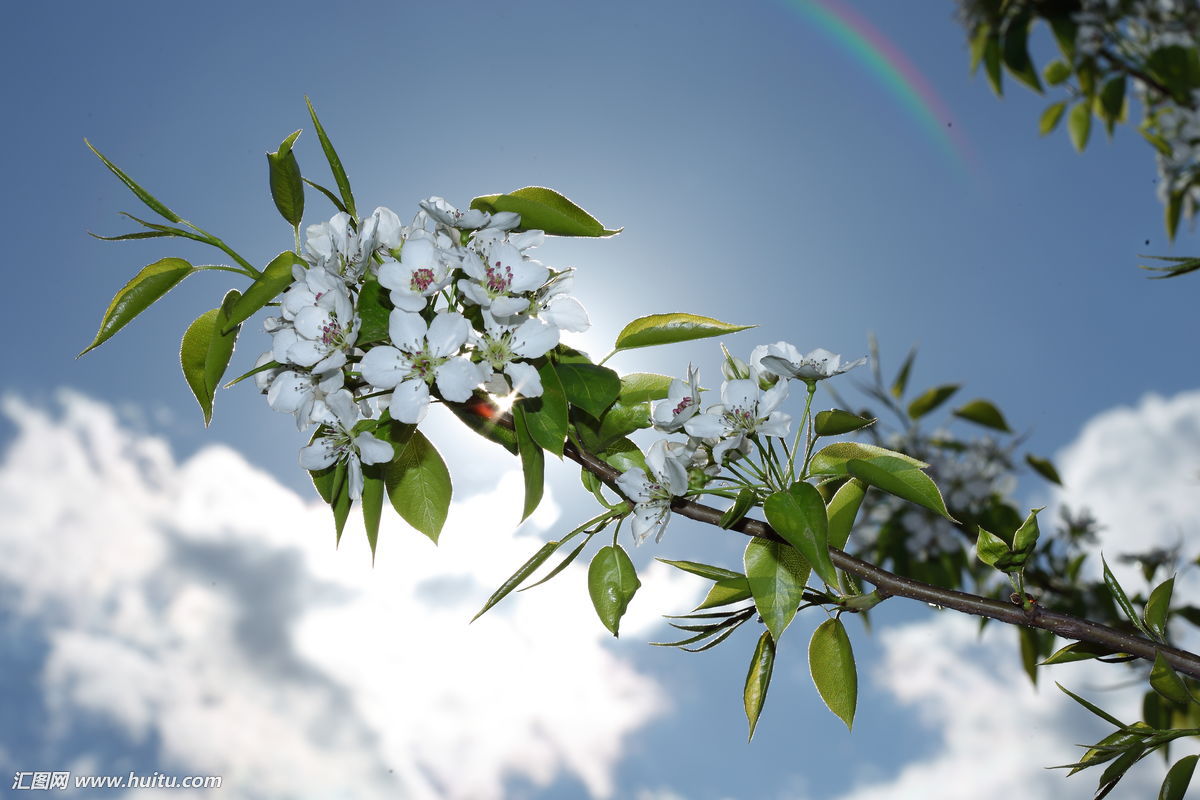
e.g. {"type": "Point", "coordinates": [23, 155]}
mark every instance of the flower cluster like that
{"type": "Point", "coordinates": [467, 308]}
{"type": "Point", "coordinates": [724, 433]}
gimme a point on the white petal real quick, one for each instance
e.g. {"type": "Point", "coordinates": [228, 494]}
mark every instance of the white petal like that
{"type": "Point", "coordinates": [410, 402]}
{"type": "Point", "coordinates": [778, 424]}
{"type": "Point", "coordinates": [740, 395]}
{"type": "Point", "coordinates": [634, 484]}
{"type": "Point", "coordinates": [448, 333]}
{"type": "Point", "coordinates": [457, 379]}
{"type": "Point", "coordinates": [566, 313]}
{"type": "Point", "coordinates": [372, 449]}
{"type": "Point", "coordinates": [706, 426]}
{"type": "Point", "coordinates": [534, 338]}
{"type": "Point", "coordinates": [508, 306]}
{"type": "Point", "coordinates": [356, 477]}
{"type": "Point", "coordinates": [525, 379]}
{"type": "Point", "coordinates": [407, 330]}
{"type": "Point", "coordinates": [318, 455]}
{"type": "Point", "coordinates": [384, 367]}
{"type": "Point", "coordinates": [772, 398]}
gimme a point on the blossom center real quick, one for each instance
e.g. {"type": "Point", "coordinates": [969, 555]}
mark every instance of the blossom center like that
{"type": "Point", "coordinates": [497, 351]}
{"type": "Point", "coordinates": [684, 405]}
{"type": "Point", "coordinates": [332, 333]}
{"type": "Point", "coordinates": [499, 278]}
{"type": "Point", "coordinates": [424, 365]}
{"type": "Point", "coordinates": [422, 278]}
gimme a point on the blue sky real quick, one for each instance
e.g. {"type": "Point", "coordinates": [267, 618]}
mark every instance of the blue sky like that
{"type": "Point", "coordinates": [761, 174]}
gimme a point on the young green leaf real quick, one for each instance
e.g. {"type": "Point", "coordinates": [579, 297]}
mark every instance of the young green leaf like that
{"type": "Point", "coordinates": [419, 486]}
{"type": "Point", "coordinates": [533, 462]}
{"type": "Point", "coordinates": [287, 187]}
{"type": "Point", "coordinates": [1051, 117]}
{"type": "Point", "coordinates": [992, 550]}
{"type": "Point", "coordinates": [837, 422]}
{"type": "Point", "coordinates": [703, 570]}
{"type": "Point", "coordinates": [1016, 52]}
{"type": "Point", "coordinates": [612, 582]}
{"type": "Point", "coordinates": [1157, 608]}
{"type": "Point", "coordinates": [742, 504]}
{"type": "Point", "coordinates": [590, 387]}
{"type": "Point", "coordinates": [777, 574]}
{"type": "Point", "coordinates": [150, 200]}
{"type": "Point", "coordinates": [1079, 124]}
{"type": "Point", "coordinates": [833, 459]}
{"type": "Point", "coordinates": [726, 591]}
{"type": "Point", "coordinates": [518, 577]}
{"type": "Point", "coordinates": [758, 679]}
{"type": "Point", "coordinates": [1179, 777]}
{"type": "Point", "coordinates": [831, 663]}
{"type": "Point", "coordinates": [1026, 537]}
{"type": "Point", "coordinates": [1077, 651]}
{"type": "Point", "coordinates": [335, 163]}
{"type": "Point", "coordinates": [374, 312]}
{"type": "Point", "coordinates": [1044, 468]}
{"type": "Point", "coordinates": [900, 384]}
{"type": "Point", "coordinates": [372, 503]}
{"type": "Point", "coordinates": [1165, 681]}
{"type": "Point", "coordinates": [981, 412]}
{"type": "Point", "coordinates": [798, 515]}
{"type": "Point", "coordinates": [1099, 712]}
{"type": "Point", "coordinates": [637, 387]}
{"type": "Point", "coordinates": [266, 287]}
{"type": "Point", "coordinates": [899, 477]}
{"type": "Point", "coordinates": [659, 329]}
{"type": "Point", "coordinates": [930, 400]}
{"type": "Point", "coordinates": [1122, 599]}
{"type": "Point", "coordinates": [205, 352]}
{"type": "Point", "coordinates": [843, 508]}
{"type": "Point", "coordinates": [151, 283]}
{"type": "Point", "coordinates": [544, 210]}
{"type": "Point", "coordinates": [546, 416]}
{"type": "Point", "coordinates": [1056, 72]}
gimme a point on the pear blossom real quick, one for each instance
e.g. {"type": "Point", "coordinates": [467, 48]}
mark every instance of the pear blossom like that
{"type": "Point", "coordinates": [472, 218]}
{"type": "Point", "coordinates": [500, 346]}
{"type": "Point", "coordinates": [497, 274]}
{"type": "Point", "coordinates": [422, 271]}
{"type": "Point", "coordinates": [784, 360]}
{"type": "Point", "coordinates": [297, 392]}
{"type": "Point", "coordinates": [334, 247]}
{"type": "Point", "coordinates": [421, 354]}
{"type": "Point", "coordinates": [745, 411]}
{"type": "Point", "coordinates": [651, 493]}
{"type": "Point", "coordinates": [682, 403]}
{"type": "Point", "coordinates": [323, 326]}
{"type": "Point", "coordinates": [552, 303]}
{"type": "Point", "coordinates": [339, 414]}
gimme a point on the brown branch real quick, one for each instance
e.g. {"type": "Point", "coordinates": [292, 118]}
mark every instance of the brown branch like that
{"type": "Point", "coordinates": [891, 584]}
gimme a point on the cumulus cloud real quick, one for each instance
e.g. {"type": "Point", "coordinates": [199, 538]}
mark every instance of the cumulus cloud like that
{"type": "Point", "coordinates": [1138, 471]}
{"type": "Point", "coordinates": [199, 609]}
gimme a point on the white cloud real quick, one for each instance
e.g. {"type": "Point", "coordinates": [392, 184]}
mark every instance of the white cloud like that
{"type": "Point", "coordinates": [1138, 471]}
{"type": "Point", "coordinates": [202, 607]}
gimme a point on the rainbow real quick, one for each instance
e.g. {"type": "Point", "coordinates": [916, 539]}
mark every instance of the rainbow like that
{"type": "Point", "coordinates": [888, 65]}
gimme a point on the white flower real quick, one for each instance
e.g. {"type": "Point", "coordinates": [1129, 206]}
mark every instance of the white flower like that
{"type": "Point", "coordinates": [744, 411]}
{"type": "Point", "coordinates": [443, 212]}
{"type": "Point", "coordinates": [421, 355]}
{"type": "Point", "coordinates": [381, 231]}
{"type": "Point", "coordinates": [682, 403]}
{"type": "Point", "coordinates": [784, 360]}
{"type": "Point", "coordinates": [497, 274]}
{"type": "Point", "coordinates": [266, 377]}
{"type": "Point", "coordinates": [323, 324]}
{"type": "Point", "coordinates": [651, 494]}
{"type": "Point", "coordinates": [339, 414]}
{"type": "Point", "coordinates": [298, 391]}
{"type": "Point", "coordinates": [553, 304]}
{"type": "Point", "coordinates": [334, 247]}
{"type": "Point", "coordinates": [501, 345]}
{"type": "Point", "coordinates": [422, 271]}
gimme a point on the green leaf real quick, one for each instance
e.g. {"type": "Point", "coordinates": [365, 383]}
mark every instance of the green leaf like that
{"type": "Point", "coordinates": [1158, 607]}
{"type": "Point", "coordinates": [623, 455]}
{"type": "Point", "coordinates": [1028, 638]}
{"type": "Point", "coordinates": [1051, 117]}
{"type": "Point", "coordinates": [637, 387]}
{"type": "Point", "coordinates": [930, 400]}
{"type": "Point", "coordinates": [335, 163]}
{"type": "Point", "coordinates": [726, 591]}
{"type": "Point", "coordinates": [746, 499]}
{"type": "Point", "coordinates": [1077, 651]}
{"type": "Point", "coordinates": [533, 462]}
{"type": "Point", "coordinates": [147, 198]}
{"type": "Point", "coordinates": [266, 287]}
{"type": "Point", "coordinates": [1044, 468]}
{"type": "Point", "coordinates": [1122, 599]}
{"type": "Point", "coordinates": [1056, 72]}
{"type": "Point", "coordinates": [843, 508]}
{"type": "Point", "coordinates": [1179, 777]}
{"type": "Point", "coordinates": [566, 562]}
{"type": "Point", "coordinates": [777, 574]}
{"type": "Point", "coordinates": [588, 386]}
{"type": "Point", "coordinates": [798, 515]}
{"type": "Point", "coordinates": [1165, 681]}
{"type": "Point", "coordinates": [831, 663]}
{"type": "Point", "coordinates": [612, 582]}
{"type": "Point", "coordinates": [659, 329]}
{"type": "Point", "coordinates": [480, 415]}
{"type": "Point", "coordinates": [546, 416]}
{"type": "Point", "coordinates": [1026, 537]}
{"type": "Point", "coordinates": [1016, 53]}
{"type": "Point", "coordinates": [991, 549]}
{"type": "Point", "coordinates": [981, 412]}
{"type": "Point", "coordinates": [255, 371]}
{"type": "Point", "coordinates": [1099, 712]}
{"type": "Point", "coordinates": [333, 198]}
{"type": "Point", "coordinates": [619, 420]}
{"type": "Point", "coordinates": [1182, 266]}
{"type": "Point", "coordinates": [901, 381]}
{"type": "Point", "coordinates": [703, 570]}
{"type": "Point", "coordinates": [205, 352]}
{"type": "Point", "coordinates": [992, 64]}
{"type": "Point", "coordinates": [1065, 30]}
{"type": "Point", "coordinates": [1173, 211]}
{"type": "Point", "coordinates": [374, 312]}
{"type": "Point", "coordinates": [151, 283]}
{"type": "Point", "coordinates": [1110, 103]}
{"type": "Point", "coordinates": [518, 577]}
{"type": "Point", "coordinates": [1079, 124]}
{"type": "Point", "coordinates": [758, 679]}
{"type": "Point", "coordinates": [545, 210]}
{"type": "Point", "coordinates": [418, 484]}
{"type": "Point", "coordinates": [832, 459]}
{"type": "Point", "coordinates": [897, 476]}
{"type": "Point", "coordinates": [287, 187]}
{"type": "Point", "coordinates": [836, 422]}
{"type": "Point", "coordinates": [333, 485]}
{"type": "Point", "coordinates": [372, 502]}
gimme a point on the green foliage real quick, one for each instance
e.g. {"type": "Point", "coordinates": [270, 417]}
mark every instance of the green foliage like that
{"type": "Point", "coordinates": [266, 287]}
{"type": "Point", "coordinates": [151, 283]}
{"type": "Point", "coordinates": [659, 329]}
{"type": "Point", "coordinates": [836, 422]}
{"type": "Point", "coordinates": [205, 351]}
{"type": "Point", "coordinates": [612, 582]}
{"type": "Point", "coordinates": [637, 387]}
{"type": "Point", "coordinates": [776, 573]}
{"type": "Point", "coordinates": [758, 679]}
{"type": "Point", "coordinates": [544, 210]}
{"type": "Point", "coordinates": [418, 484]}
{"type": "Point", "coordinates": [287, 187]}
{"type": "Point", "coordinates": [798, 515]}
{"type": "Point", "coordinates": [533, 462]}
{"type": "Point", "coordinates": [831, 664]}
{"type": "Point", "coordinates": [899, 477]}
{"type": "Point", "coordinates": [931, 399]}
{"type": "Point", "coordinates": [588, 386]}
{"type": "Point", "coordinates": [984, 413]}
{"type": "Point", "coordinates": [335, 163]}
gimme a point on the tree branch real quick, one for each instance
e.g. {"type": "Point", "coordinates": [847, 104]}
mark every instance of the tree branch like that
{"type": "Point", "coordinates": [891, 584]}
